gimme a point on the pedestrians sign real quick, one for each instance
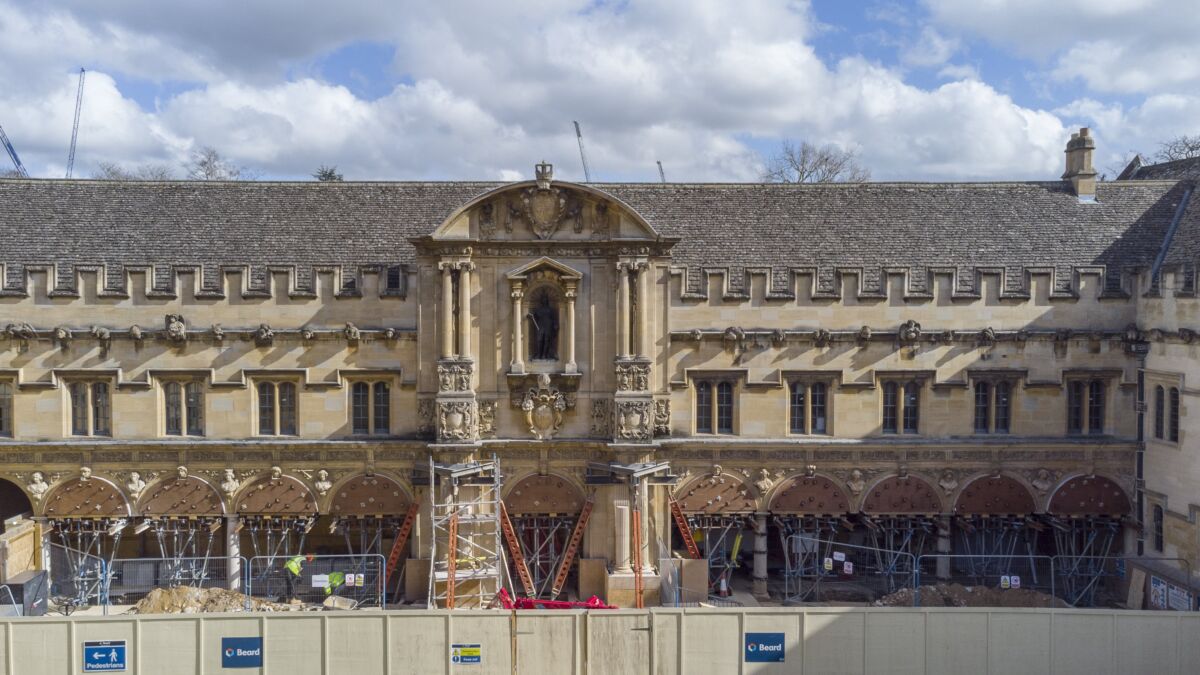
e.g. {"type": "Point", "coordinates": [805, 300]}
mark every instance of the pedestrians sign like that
{"type": "Point", "coordinates": [107, 656]}
{"type": "Point", "coordinates": [466, 654]}
{"type": "Point", "coordinates": [241, 652]}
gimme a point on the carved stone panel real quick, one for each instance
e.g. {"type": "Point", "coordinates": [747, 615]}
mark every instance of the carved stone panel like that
{"type": "Point", "coordinates": [810, 496]}
{"type": "Point", "coordinates": [542, 495]}
{"type": "Point", "coordinates": [896, 495]}
{"type": "Point", "coordinates": [181, 497]}
{"type": "Point", "coordinates": [283, 496]}
{"type": "Point", "coordinates": [994, 496]}
{"type": "Point", "coordinates": [454, 375]}
{"type": "Point", "coordinates": [543, 407]}
{"type": "Point", "coordinates": [456, 421]}
{"type": "Point", "coordinates": [363, 496]}
{"type": "Point", "coordinates": [633, 376]}
{"type": "Point", "coordinates": [662, 417]}
{"type": "Point", "coordinates": [91, 498]}
{"type": "Point", "coordinates": [718, 494]}
{"type": "Point", "coordinates": [1089, 496]}
{"type": "Point", "coordinates": [635, 420]}
{"type": "Point", "coordinates": [602, 412]}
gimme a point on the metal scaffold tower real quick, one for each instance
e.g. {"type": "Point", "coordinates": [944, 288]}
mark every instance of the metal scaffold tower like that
{"type": "Point", "coordinates": [805, 541]}
{"type": "Point", "coordinates": [275, 538]}
{"type": "Point", "coordinates": [1083, 545]}
{"type": "Point", "coordinates": [88, 546]}
{"type": "Point", "coordinates": [897, 541]}
{"type": "Point", "coordinates": [185, 544]}
{"type": "Point", "coordinates": [993, 546]}
{"type": "Point", "coordinates": [543, 547]}
{"type": "Point", "coordinates": [467, 559]}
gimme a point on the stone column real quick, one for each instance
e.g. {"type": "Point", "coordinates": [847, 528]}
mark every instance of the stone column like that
{"type": "Point", "coordinates": [622, 310]}
{"type": "Point", "coordinates": [621, 557]}
{"type": "Point", "coordinates": [642, 346]}
{"type": "Point", "coordinates": [943, 546]}
{"type": "Point", "coordinates": [760, 557]}
{"type": "Point", "coordinates": [233, 552]}
{"type": "Point", "coordinates": [464, 310]}
{"type": "Point", "coordinates": [447, 318]}
{"type": "Point", "coordinates": [569, 328]}
{"type": "Point", "coordinates": [518, 321]}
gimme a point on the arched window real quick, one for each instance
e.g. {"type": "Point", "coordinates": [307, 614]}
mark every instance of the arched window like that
{"type": "Point", "coordinates": [799, 408]}
{"type": "Point", "coordinates": [1160, 410]}
{"type": "Point", "coordinates": [1158, 528]}
{"type": "Point", "coordinates": [6, 409]}
{"type": "Point", "coordinates": [1173, 427]}
{"type": "Point", "coordinates": [890, 407]}
{"type": "Point", "coordinates": [704, 402]}
{"type": "Point", "coordinates": [983, 407]}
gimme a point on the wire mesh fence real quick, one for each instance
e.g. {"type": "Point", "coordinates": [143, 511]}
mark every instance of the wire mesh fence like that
{"type": "Point", "coordinates": [315, 578]}
{"type": "Point", "coordinates": [76, 578]}
{"type": "Point", "coordinates": [9, 608]}
{"type": "Point", "coordinates": [824, 570]}
{"type": "Point", "coordinates": [985, 580]}
{"type": "Point", "coordinates": [1111, 581]}
{"type": "Point", "coordinates": [129, 580]}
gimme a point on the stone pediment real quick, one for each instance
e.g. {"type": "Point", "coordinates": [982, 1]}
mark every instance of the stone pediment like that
{"type": "Point", "coordinates": [563, 271]}
{"type": "Point", "coordinates": [545, 210]}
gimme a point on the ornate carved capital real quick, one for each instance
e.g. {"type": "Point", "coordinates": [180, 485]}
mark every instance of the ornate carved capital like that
{"type": "Point", "coordinates": [454, 375]}
{"type": "Point", "coordinates": [633, 376]}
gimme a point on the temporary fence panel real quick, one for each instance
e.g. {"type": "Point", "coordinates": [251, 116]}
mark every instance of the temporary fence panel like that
{"type": "Point", "coordinates": [76, 578]}
{"type": "Point", "coordinates": [128, 580]}
{"type": "Point", "coordinates": [829, 571]}
{"type": "Point", "coordinates": [996, 572]}
{"type": "Point", "coordinates": [359, 578]}
{"type": "Point", "coordinates": [1104, 581]}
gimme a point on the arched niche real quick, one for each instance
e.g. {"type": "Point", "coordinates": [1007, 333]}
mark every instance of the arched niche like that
{"type": "Point", "coordinates": [805, 495]}
{"type": "Point", "coordinates": [543, 294]}
{"type": "Point", "coordinates": [544, 495]}
{"type": "Point", "coordinates": [282, 496]}
{"type": "Point", "coordinates": [907, 495]}
{"type": "Point", "coordinates": [364, 496]}
{"type": "Point", "coordinates": [994, 496]}
{"type": "Point", "coordinates": [91, 498]}
{"type": "Point", "coordinates": [1089, 496]}
{"type": "Point", "coordinates": [181, 497]}
{"type": "Point", "coordinates": [718, 494]}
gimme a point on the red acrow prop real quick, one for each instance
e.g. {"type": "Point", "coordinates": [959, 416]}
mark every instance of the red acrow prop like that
{"type": "Point", "coordinates": [508, 602]}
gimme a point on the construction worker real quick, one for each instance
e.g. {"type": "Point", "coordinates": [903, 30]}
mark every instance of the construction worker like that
{"type": "Point", "coordinates": [293, 567]}
{"type": "Point", "coordinates": [336, 580]}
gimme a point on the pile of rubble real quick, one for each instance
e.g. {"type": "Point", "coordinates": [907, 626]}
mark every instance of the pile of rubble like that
{"type": "Point", "coordinates": [189, 600]}
{"type": "Point", "coordinates": [957, 595]}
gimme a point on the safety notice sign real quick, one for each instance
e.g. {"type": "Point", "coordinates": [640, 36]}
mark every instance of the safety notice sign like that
{"type": "Point", "coordinates": [466, 654]}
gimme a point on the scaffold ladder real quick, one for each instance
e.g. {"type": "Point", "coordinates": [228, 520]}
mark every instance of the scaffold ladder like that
{"type": "Point", "coordinates": [685, 530]}
{"type": "Point", "coordinates": [564, 568]}
{"type": "Point", "coordinates": [466, 553]}
{"type": "Point", "coordinates": [514, 550]}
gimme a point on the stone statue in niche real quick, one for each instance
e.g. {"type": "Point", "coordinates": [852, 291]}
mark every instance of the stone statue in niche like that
{"type": "Point", "coordinates": [543, 343]}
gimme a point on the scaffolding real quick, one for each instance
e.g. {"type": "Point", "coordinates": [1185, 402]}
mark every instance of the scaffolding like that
{"type": "Point", "coordinates": [995, 546]}
{"type": "Point", "coordinates": [88, 546]}
{"type": "Point", "coordinates": [897, 541]}
{"type": "Point", "coordinates": [542, 549]}
{"type": "Point", "coordinates": [466, 557]}
{"type": "Point", "coordinates": [805, 541]}
{"type": "Point", "coordinates": [1083, 545]}
{"type": "Point", "coordinates": [277, 537]}
{"type": "Point", "coordinates": [185, 545]}
{"type": "Point", "coordinates": [720, 540]}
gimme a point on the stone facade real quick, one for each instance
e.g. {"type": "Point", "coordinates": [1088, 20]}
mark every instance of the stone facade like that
{"type": "Point", "coordinates": [442, 345]}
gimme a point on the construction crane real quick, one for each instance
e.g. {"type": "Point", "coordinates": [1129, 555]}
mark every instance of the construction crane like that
{"type": "Point", "coordinates": [12, 152]}
{"type": "Point", "coordinates": [75, 127]}
{"type": "Point", "coordinates": [587, 172]}
{"type": "Point", "coordinates": [661, 175]}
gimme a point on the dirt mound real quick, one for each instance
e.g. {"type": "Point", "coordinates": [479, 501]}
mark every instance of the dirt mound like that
{"type": "Point", "coordinates": [189, 600]}
{"type": "Point", "coordinates": [957, 595]}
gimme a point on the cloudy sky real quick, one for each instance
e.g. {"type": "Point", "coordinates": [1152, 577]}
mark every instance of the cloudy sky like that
{"type": "Point", "coordinates": [398, 90]}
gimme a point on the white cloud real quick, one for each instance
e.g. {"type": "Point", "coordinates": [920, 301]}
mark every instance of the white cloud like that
{"type": "Point", "coordinates": [931, 49]}
{"type": "Point", "coordinates": [494, 88]}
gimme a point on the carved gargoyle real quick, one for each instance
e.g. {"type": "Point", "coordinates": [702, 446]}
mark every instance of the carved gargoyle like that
{"type": "Point", "coordinates": [910, 332]}
{"type": "Point", "coordinates": [822, 337]}
{"type": "Point", "coordinates": [62, 336]}
{"type": "Point", "coordinates": [264, 336]}
{"type": "Point", "coordinates": [218, 333]}
{"type": "Point", "coordinates": [103, 336]}
{"type": "Point", "coordinates": [136, 333]}
{"type": "Point", "coordinates": [864, 336]}
{"type": "Point", "coordinates": [21, 331]}
{"type": "Point", "coordinates": [352, 333]}
{"type": "Point", "coordinates": [176, 329]}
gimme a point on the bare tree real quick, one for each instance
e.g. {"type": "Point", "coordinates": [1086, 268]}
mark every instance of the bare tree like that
{"type": "Point", "coordinates": [808, 163]}
{"type": "Point", "coordinates": [1180, 147]}
{"type": "Point", "coordinates": [10, 173]}
{"type": "Point", "coordinates": [114, 171]}
{"type": "Point", "coordinates": [328, 174]}
{"type": "Point", "coordinates": [208, 164]}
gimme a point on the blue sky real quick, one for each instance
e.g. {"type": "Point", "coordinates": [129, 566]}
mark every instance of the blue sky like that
{"type": "Point", "coordinates": [921, 90]}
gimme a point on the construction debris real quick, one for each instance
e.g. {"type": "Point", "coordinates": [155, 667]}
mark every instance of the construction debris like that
{"type": "Point", "coordinates": [957, 595]}
{"type": "Point", "coordinates": [190, 600]}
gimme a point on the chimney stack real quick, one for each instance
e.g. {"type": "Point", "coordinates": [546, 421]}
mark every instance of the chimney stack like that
{"type": "Point", "coordinates": [1079, 165]}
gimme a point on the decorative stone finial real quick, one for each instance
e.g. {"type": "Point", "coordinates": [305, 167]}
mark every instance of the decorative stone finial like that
{"type": "Point", "coordinates": [544, 172]}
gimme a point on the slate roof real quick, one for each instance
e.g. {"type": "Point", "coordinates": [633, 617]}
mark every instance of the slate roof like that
{"type": "Point", "coordinates": [872, 227]}
{"type": "Point", "coordinates": [1180, 169]}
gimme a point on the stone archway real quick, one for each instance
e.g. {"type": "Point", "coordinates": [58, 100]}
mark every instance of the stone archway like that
{"type": "Point", "coordinates": [994, 496]}
{"type": "Point", "coordinates": [13, 501]}
{"type": "Point", "coordinates": [548, 494]}
{"type": "Point", "coordinates": [718, 494]}
{"type": "Point", "coordinates": [1089, 496]}
{"type": "Point", "coordinates": [365, 496]}
{"type": "Point", "coordinates": [902, 495]}
{"type": "Point", "coordinates": [93, 497]}
{"type": "Point", "coordinates": [810, 496]}
{"type": "Point", "coordinates": [181, 497]}
{"type": "Point", "coordinates": [277, 496]}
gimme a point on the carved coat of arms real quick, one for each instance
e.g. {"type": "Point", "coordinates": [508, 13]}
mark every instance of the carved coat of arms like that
{"type": "Point", "coordinates": [545, 206]}
{"type": "Point", "coordinates": [543, 407]}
